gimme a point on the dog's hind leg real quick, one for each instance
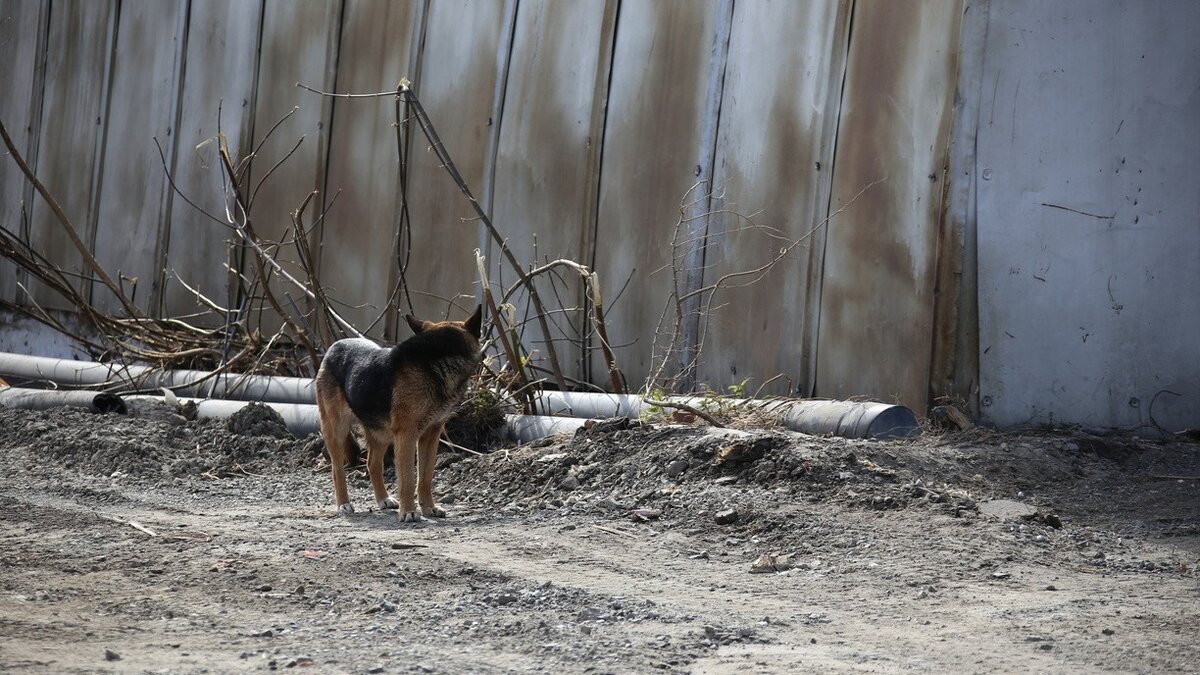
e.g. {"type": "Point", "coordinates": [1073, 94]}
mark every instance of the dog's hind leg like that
{"type": "Point", "coordinates": [427, 461]}
{"type": "Point", "coordinates": [377, 446]}
{"type": "Point", "coordinates": [406, 474]}
{"type": "Point", "coordinates": [335, 428]}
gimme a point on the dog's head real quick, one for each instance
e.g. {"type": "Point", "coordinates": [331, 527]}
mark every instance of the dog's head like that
{"type": "Point", "coordinates": [471, 329]}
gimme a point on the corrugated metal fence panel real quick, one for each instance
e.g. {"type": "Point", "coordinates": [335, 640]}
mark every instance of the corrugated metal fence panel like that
{"type": "Point", "coordinates": [877, 298]}
{"type": "Point", "coordinates": [360, 230]}
{"type": "Point", "coordinates": [546, 169]}
{"type": "Point", "coordinates": [77, 56]}
{"type": "Point", "coordinates": [299, 44]}
{"type": "Point", "coordinates": [1088, 210]}
{"type": "Point", "coordinates": [773, 162]}
{"type": "Point", "coordinates": [131, 207]}
{"type": "Point", "coordinates": [457, 86]}
{"type": "Point", "coordinates": [222, 58]}
{"type": "Point", "coordinates": [660, 67]}
{"type": "Point", "coordinates": [21, 29]}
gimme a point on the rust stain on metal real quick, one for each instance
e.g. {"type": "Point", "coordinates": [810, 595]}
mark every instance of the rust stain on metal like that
{"type": "Point", "coordinates": [877, 299]}
{"type": "Point", "coordinates": [663, 46]}
{"type": "Point", "coordinates": [777, 125]}
{"type": "Point", "coordinates": [362, 166]}
{"type": "Point", "coordinates": [543, 164]}
{"type": "Point", "coordinates": [458, 79]}
{"type": "Point", "coordinates": [72, 125]}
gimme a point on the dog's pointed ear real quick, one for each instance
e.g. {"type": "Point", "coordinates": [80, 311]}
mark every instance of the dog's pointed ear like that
{"type": "Point", "coordinates": [474, 325]}
{"type": "Point", "coordinates": [414, 323]}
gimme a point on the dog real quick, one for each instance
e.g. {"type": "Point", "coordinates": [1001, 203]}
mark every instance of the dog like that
{"type": "Point", "coordinates": [401, 396]}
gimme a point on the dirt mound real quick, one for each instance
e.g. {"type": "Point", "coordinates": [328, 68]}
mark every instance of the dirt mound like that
{"type": "Point", "coordinates": [258, 419]}
{"type": "Point", "coordinates": [149, 443]}
{"type": "Point", "coordinates": [758, 479]}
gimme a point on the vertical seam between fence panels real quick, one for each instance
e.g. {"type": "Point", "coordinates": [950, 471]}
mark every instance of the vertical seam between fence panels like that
{"type": "Point", "coordinates": [101, 145]}
{"type": "Point", "coordinates": [835, 83]}
{"type": "Point", "coordinates": [33, 134]}
{"type": "Point", "coordinates": [841, 97]}
{"type": "Point", "coordinates": [504, 65]}
{"type": "Point", "coordinates": [968, 336]}
{"type": "Point", "coordinates": [391, 321]}
{"type": "Point", "coordinates": [710, 128]}
{"type": "Point", "coordinates": [166, 205]}
{"type": "Point", "coordinates": [233, 291]}
{"type": "Point", "coordinates": [961, 158]}
{"type": "Point", "coordinates": [328, 83]}
{"type": "Point", "coordinates": [333, 101]}
{"type": "Point", "coordinates": [595, 165]}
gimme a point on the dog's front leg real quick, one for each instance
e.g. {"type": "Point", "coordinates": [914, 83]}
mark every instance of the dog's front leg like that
{"type": "Point", "coordinates": [427, 460]}
{"type": "Point", "coordinates": [406, 474]}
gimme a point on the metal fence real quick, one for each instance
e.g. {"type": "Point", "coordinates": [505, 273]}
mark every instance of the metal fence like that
{"type": "Point", "coordinates": [582, 126]}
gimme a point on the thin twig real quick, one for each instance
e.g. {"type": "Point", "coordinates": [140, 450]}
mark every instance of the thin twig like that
{"type": "Point", "coordinates": [686, 408]}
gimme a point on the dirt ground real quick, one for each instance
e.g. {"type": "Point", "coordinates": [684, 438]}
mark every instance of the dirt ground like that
{"type": "Point", "coordinates": [148, 543]}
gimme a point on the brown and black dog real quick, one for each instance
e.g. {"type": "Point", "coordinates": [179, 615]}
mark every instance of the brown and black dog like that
{"type": "Point", "coordinates": [401, 396]}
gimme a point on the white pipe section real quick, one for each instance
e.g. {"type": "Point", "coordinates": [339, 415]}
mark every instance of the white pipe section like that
{"type": "Point", "coordinates": [841, 418]}
{"type": "Point", "coordinates": [184, 382]}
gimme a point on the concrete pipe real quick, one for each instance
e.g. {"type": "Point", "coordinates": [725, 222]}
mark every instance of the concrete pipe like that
{"type": "Point", "coordinates": [850, 419]}
{"type": "Point", "coordinates": [197, 383]}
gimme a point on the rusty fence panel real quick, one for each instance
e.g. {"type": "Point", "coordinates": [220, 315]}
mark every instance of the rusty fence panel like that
{"type": "Point", "coordinates": [877, 304]}
{"type": "Point", "coordinates": [774, 152]}
{"type": "Point", "coordinates": [651, 150]}
{"type": "Point", "coordinates": [547, 160]}
{"type": "Point", "coordinates": [132, 201]}
{"type": "Point", "coordinates": [300, 40]}
{"type": "Point", "coordinates": [359, 232]}
{"type": "Point", "coordinates": [22, 55]}
{"type": "Point", "coordinates": [464, 58]}
{"type": "Point", "coordinates": [219, 77]}
{"type": "Point", "coordinates": [70, 137]}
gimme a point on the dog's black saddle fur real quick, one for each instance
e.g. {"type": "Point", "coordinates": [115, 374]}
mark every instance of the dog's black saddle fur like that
{"type": "Point", "coordinates": [367, 372]}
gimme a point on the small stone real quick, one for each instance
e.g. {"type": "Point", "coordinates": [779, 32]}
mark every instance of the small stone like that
{"type": "Point", "coordinates": [263, 588]}
{"type": "Point", "coordinates": [110, 655]}
{"type": "Point", "coordinates": [505, 599]}
{"type": "Point", "coordinates": [1007, 509]}
{"type": "Point", "coordinates": [1052, 587]}
{"type": "Point", "coordinates": [1045, 646]}
{"type": "Point", "coordinates": [569, 483]}
{"type": "Point", "coordinates": [1108, 631]}
{"type": "Point", "coordinates": [726, 517]}
{"type": "Point", "coordinates": [674, 469]}
{"type": "Point", "coordinates": [590, 614]}
{"type": "Point", "coordinates": [609, 505]}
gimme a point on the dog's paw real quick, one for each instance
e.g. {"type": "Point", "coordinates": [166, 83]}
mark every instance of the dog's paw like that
{"type": "Point", "coordinates": [345, 509]}
{"type": "Point", "coordinates": [387, 503]}
{"type": "Point", "coordinates": [409, 517]}
{"type": "Point", "coordinates": [433, 511]}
